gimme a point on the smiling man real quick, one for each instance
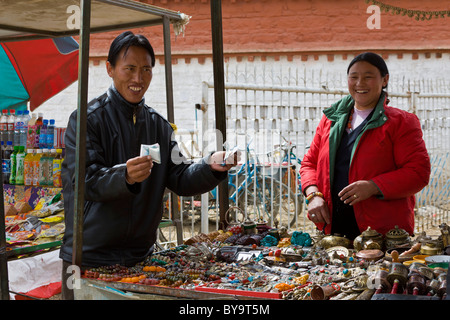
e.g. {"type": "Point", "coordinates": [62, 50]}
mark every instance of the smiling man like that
{"type": "Point", "coordinates": [123, 190]}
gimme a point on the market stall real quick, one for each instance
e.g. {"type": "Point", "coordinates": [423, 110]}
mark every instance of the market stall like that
{"type": "Point", "coordinates": [253, 261]}
{"type": "Point", "coordinates": [243, 261]}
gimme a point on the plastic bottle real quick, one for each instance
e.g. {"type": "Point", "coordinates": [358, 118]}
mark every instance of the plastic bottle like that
{"type": "Point", "coordinates": [51, 134]}
{"type": "Point", "coordinates": [43, 168]}
{"type": "Point", "coordinates": [24, 128]}
{"type": "Point", "coordinates": [43, 135]}
{"type": "Point", "coordinates": [11, 121]}
{"type": "Point", "coordinates": [12, 177]}
{"type": "Point", "coordinates": [17, 125]}
{"type": "Point", "coordinates": [31, 133]}
{"type": "Point", "coordinates": [39, 123]}
{"type": "Point", "coordinates": [28, 168]}
{"type": "Point", "coordinates": [6, 162]}
{"type": "Point", "coordinates": [3, 153]}
{"type": "Point", "coordinates": [57, 162]}
{"type": "Point", "coordinates": [36, 167]}
{"type": "Point", "coordinates": [20, 157]}
{"type": "Point", "coordinates": [51, 156]}
{"type": "Point", "coordinates": [4, 126]}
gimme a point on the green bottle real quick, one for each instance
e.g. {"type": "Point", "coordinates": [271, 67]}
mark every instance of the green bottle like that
{"type": "Point", "coordinates": [20, 158]}
{"type": "Point", "coordinates": [12, 178]}
{"type": "Point", "coordinates": [43, 168]}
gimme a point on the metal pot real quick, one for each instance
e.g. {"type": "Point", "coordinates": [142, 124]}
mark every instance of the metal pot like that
{"type": "Point", "coordinates": [249, 227]}
{"type": "Point", "coordinates": [369, 239]}
{"type": "Point", "coordinates": [262, 226]}
{"type": "Point", "coordinates": [396, 237]}
{"type": "Point", "coordinates": [430, 248]}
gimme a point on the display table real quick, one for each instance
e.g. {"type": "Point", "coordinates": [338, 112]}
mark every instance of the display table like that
{"type": "Point", "coordinates": [92, 289]}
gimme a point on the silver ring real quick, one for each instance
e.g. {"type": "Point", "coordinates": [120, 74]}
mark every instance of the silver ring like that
{"type": "Point", "coordinates": [355, 196]}
{"type": "Point", "coordinates": [312, 215]}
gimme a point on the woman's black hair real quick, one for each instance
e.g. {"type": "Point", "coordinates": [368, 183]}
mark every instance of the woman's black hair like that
{"type": "Point", "coordinates": [126, 40]}
{"type": "Point", "coordinates": [372, 58]}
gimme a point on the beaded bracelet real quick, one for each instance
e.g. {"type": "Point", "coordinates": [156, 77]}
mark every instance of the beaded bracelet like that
{"type": "Point", "coordinates": [312, 195]}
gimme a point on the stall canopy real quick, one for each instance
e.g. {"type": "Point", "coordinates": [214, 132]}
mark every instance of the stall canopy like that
{"type": "Point", "coordinates": [25, 19]}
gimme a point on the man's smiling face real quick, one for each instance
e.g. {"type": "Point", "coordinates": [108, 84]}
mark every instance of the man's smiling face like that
{"type": "Point", "coordinates": [132, 73]}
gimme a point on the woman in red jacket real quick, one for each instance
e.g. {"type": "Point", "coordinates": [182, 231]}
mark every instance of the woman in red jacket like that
{"type": "Point", "coordinates": [367, 159]}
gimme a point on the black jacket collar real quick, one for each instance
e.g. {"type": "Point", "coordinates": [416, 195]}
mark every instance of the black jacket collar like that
{"type": "Point", "coordinates": [118, 101]}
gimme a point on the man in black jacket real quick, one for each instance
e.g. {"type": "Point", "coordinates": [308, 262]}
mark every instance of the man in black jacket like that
{"type": "Point", "coordinates": [123, 190]}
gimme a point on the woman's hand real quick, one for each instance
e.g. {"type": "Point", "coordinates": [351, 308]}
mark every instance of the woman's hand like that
{"type": "Point", "coordinates": [317, 207]}
{"type": "Point", "coordinates": [358, 191]}
{"type": "Point", "coordinates": [318, 211]}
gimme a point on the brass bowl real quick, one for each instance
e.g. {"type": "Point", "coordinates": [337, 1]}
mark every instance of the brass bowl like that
{"type": "Point", "coordinates": [334, 241]}
{"type": "Point", "coordinates": [431, 249]}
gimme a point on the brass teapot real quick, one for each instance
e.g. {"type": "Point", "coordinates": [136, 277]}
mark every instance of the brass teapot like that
{"type": "Point", "coordinates": [369, 239]}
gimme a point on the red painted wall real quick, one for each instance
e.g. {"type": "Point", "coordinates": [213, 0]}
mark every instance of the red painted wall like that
{"type": "Point", "coordinates": [261, 27]}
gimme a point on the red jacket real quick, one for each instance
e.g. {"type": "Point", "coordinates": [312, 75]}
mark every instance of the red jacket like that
{"type": "Point", "coordinates": [390, 151]}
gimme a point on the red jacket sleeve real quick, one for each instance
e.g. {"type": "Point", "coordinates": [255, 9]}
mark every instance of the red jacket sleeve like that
{"type": "Point", "coordinates": [411, 159]}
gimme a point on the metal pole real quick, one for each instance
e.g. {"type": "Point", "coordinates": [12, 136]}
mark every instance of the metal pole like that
{"type": "Point", "coordinates": [168, 69]}
{"type": "Point", "coordinates": [219, 97]}
{"type": "Point", "coordinates": [83, 73]}
{"type": "Point", "coordinates": [4, 281]}
{"type": "Point", "coordinates": [169, 97]}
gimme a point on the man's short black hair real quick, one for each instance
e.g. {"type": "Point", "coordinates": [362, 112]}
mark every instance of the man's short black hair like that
{"type": "Point", "coordinates": [126, 40]}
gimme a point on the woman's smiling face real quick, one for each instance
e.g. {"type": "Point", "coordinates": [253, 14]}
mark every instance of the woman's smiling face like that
{"type": "Point", "coordinates": [365, 84]}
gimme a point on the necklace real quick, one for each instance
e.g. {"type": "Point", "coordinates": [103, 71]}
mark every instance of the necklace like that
{"type": "Point", "coordinates": [349, 123]}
